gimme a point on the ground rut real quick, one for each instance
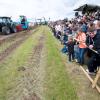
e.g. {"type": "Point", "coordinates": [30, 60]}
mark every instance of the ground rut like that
{"type": "Point", "coordinates": [30, 85]}
{"type": "Point", "coordinates": [16, 44]}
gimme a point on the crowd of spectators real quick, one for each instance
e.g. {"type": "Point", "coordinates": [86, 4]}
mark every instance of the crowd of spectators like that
{"type": "Point", "coordinates": [79, 36]}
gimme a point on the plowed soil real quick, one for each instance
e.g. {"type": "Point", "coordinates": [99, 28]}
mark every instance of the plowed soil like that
{"type": "Point", "coordinates": [19, 37]}
{"type": "Point", "coordinates": [29, 87]}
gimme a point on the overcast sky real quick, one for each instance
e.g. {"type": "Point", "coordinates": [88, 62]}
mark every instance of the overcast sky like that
{"type": "Point", "coordinates": [55, 9]}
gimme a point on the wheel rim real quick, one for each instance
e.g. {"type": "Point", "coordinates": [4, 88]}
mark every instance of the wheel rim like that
{"type": "Point", "coordinates": [8, 31]}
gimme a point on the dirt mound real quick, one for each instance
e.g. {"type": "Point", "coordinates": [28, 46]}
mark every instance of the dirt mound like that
{"type": "Point", "coordinates": [32, 97]}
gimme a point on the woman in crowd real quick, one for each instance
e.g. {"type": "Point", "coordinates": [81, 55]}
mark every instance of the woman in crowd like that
{"type": "Point", "coordinates": [81, 39]}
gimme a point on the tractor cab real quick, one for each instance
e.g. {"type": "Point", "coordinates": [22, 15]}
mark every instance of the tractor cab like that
{"type": "Point", "coordinates": [7, 26]}
{"type": "Point", "coordinates": [24, 22]}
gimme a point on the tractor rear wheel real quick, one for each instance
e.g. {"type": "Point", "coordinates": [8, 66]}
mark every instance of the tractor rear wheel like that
{"type": "Point", "coordinates": [5, 30]}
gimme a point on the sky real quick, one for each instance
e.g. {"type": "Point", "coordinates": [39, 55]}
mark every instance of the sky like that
{"type": "Point", "coordinates": [53, 9]}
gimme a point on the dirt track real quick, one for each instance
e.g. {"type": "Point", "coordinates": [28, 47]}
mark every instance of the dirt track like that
{"type": "Point", "coordinates": [29, 87]}
{"type": "Point", "coordinates": [4, 38]}
{"type": "Point", "coordinates": [19, 37]}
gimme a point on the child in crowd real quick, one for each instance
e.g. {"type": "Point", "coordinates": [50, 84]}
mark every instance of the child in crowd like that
{"type": "Point", "coordinates": [70, 44]}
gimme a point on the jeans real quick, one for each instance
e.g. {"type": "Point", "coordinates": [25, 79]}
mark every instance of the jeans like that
{"type": "Point", "coordinates": [64, 49]}
{"type": "Point", "coordinates": [71, 56]}
{"type": "Point", "coordinates": [76, 50]}
{"type": "Point", "coordinates": [77, 56]}
{"type": "Point", "coordinates": [81, 55]}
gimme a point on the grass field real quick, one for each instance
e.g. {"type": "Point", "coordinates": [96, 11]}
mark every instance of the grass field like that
{"type": "Point", "coordinates": [8, 69]}
{"type": "Point", "coordinates": [58, 84]}
{"type": "Point", "coordinates": [55, 82]}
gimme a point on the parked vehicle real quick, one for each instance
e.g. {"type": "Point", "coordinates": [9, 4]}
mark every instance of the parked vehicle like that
{"type": "Point", "coordinates": [7, 26]}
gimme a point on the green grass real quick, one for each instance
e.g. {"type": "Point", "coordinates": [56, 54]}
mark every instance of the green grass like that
{"type": "Point", "coordinates": [9, 68]}
{"type": "Point", "coordinates": [58, 85]}
{"type": "Point", "coordinates": [5, 45]}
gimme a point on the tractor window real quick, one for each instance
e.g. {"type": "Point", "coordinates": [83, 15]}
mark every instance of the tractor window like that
{"type": "Point", "coordinates": [0, 20]}
{"type": "Point", "coordinates": [4, 20]}
{"type": "Point", "coordinates": [8, 21]}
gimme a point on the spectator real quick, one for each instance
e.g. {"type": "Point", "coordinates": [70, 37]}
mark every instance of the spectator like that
{"type": "Point", "coordinates": [65, 39]}
{"type": "Point", "coordinates": [89, 42]}
{"type": "Point", "coordinates": [94, 61]}
{"type": "Point", "coordinates": [58, 31]}
{"type": "Point", "coordinates": [76, 50]}
{"type": "Point", "coordinates": [70, 45]}
{"type": "Point", "coordinates": [84, 27]}
{"type": "Point", "coordinates": [81, 39]}
{"type": "Point", "coordinates": [91, 27]}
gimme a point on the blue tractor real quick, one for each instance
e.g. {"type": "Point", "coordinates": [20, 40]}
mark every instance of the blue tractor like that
{"type": "Point", "coordinates": [24, 22]}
